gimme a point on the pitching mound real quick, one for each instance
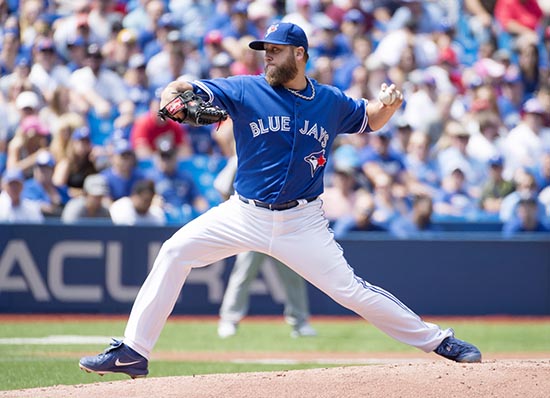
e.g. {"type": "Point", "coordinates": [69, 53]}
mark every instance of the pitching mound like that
{"type": "Point", "coordinates": [493, 378]}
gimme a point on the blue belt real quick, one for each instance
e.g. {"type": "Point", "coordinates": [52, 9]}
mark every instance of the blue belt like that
{"type": "Point", "coordinates": [280, 206]}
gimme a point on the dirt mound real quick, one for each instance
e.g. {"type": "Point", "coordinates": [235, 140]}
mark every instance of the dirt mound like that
{"type": "Point", "coordinates": [493, 378]}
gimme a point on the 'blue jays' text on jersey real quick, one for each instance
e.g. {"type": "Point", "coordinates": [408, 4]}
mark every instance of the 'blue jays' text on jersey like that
{"type": "Point", "coordinates": [283, 141]}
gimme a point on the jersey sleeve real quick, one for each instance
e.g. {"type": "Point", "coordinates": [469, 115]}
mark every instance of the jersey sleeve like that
{"type": "Point", "coordinates": [227, 93]}
{"type": "Point", "coordinates": [353, 115]}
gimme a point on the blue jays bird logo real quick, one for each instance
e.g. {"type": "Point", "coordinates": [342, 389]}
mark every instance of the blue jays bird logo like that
{"type": "Point", "coordinates": [271, 29]}
{"type": "Point", "coordinates": [316, 160]}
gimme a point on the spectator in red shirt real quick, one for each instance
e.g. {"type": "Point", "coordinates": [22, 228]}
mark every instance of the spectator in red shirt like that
{"type": "Point", "coordinates": [149, 130]}
{"type": "Point", "coordinates": [518, 17]}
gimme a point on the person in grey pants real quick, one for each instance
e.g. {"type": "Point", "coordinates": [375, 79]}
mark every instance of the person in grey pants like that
{"type": "Point", "coordinates": [237, 295]}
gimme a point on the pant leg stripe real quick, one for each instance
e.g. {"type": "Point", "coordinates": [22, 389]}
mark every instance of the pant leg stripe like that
{"type": "Point", "coordinates": [384, 293]}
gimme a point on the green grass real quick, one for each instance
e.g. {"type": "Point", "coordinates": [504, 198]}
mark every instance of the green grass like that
{"type": "Point", "coordinates": [29, 365]}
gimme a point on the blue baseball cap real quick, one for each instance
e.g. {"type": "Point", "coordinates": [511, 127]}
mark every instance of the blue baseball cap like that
{"type": "Point", "coordinates": [354, 15]}
{"type": "Point", "coordinates": [10, 175]}
{"type": "Point", "coordinates": [76, 41]}
{"type": "Point", "coordinates": [166, 21]}
{"type": "Point", "coordinates": [81, 133]}
{"type": "Point", "coordinates": [282, 33]}
{"type": "Point", "coordinates": [122, 146]}
{"type": "Point", "coordinates": [496, 160]}
{"type": "Point", "coordinates": [11, 31]}
{"type": "Point", "coordinates": [239, 8]}
{"type": "Point", "coordinates": [23, 61]}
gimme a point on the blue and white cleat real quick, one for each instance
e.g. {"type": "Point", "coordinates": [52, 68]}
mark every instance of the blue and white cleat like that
{"type": "Point", "coordinates": [118, 358]}
{"type": "Point", "coordinates": [458, 350]}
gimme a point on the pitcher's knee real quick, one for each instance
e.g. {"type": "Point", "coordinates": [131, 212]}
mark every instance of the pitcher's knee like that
{"type": "Point", "coordinates": [170, 255]}
{"type": "Point", "coordinates": [344, 298]}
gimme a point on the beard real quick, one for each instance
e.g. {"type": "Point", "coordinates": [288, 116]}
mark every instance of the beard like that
{"type": "Point", "coordinates": [278, 75]}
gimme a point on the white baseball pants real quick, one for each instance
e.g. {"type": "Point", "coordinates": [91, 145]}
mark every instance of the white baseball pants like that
{"type": "Point", "coordinates": [298, 237]}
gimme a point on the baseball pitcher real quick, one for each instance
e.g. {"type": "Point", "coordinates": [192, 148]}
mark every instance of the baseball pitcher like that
{"type": "Point", "coordinates": [284, 126]}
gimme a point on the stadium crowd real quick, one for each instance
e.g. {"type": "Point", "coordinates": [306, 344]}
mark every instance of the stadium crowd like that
{"type": "Point", "coordinates": [80, 84]}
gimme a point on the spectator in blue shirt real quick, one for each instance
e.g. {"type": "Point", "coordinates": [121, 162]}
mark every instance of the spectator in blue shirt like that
{"type": "Point", "coordinates": [239, 26]}
{"type": "Point", "coordinates": [455, 155]}
{"type": "Point", "coordinates": [137, 84]}
{"type": "Point", "coordinates": [419, 221]}
{"type": "Point", "coordinates": [9, 51]}
{"type": "Point", "coordinates": [41, 189]}
{"type": "Point", "coordinates": [379, 157]}
{"type": "Point", "coordinates": [76, 48]}
{"type": "Point", "coordinates": [155, 40]}
{"type": "Point", "coordinates": [542, 171]}
{"type": "Point", "coordinates": [123, 173]}
{"type": "Point", "coordinates": [329, 42]}
{"type": "Point", "coordinates": [454, 199]}
{"type": "Point", "coordinates": [527, 219]}
{"type": "Point", "coordinates": [362, 218]}
{"type": "Point", "coordinates": [424, 17]}
{"type": "Point", "coordinates": [400, 140]}
{"type": "Point", "coordinates": [511, 97]}
{"type": "Point", "coordinates": [423, 174]}
{"type": "Point", "coordinates": [180, 195]}
{"type": "Point", "coordinates": [525, 187]}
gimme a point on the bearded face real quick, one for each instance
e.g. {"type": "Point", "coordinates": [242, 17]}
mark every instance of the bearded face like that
{"type": "Point", "coordinates": [278, 75]}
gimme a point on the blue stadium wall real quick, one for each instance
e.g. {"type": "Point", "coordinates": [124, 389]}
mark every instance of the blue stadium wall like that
{"type": "Point", "coordinates": [98, 269]}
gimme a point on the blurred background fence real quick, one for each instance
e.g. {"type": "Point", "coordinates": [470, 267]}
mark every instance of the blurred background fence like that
{"type": "Point", "coordinates": [54, 268]}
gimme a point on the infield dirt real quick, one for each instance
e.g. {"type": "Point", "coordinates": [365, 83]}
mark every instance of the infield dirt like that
{"type": "Point", "coordinates": [394, 378]}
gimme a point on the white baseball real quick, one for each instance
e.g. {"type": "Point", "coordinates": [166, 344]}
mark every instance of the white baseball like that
{"type": "Point", "coordinates": [386, 97]}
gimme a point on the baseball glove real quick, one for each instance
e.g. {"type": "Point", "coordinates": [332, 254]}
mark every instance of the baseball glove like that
{"type": "Point", "coordinates": [187, 107]}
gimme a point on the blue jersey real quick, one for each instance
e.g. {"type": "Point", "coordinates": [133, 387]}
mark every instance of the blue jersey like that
{"type": "Point", "coordinates": [391, 162]}
{"type": "Point", "coordinates": [120, 186]}
{"type": "Point", "coordinates": [283, 141]}
{"type": "Point", "coordinates": [33, 190]}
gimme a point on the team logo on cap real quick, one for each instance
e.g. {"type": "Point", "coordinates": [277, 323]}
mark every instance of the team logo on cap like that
{"type": "Point", "coordinates": [316, 160]}
{"type": "Point", "coordinates": [271, 29]}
